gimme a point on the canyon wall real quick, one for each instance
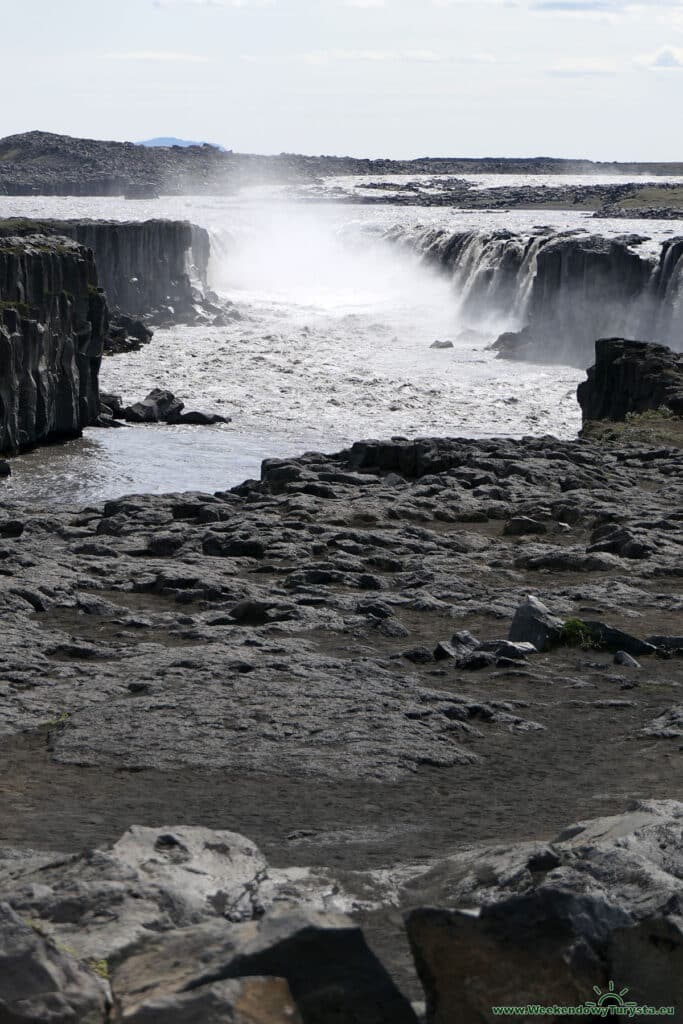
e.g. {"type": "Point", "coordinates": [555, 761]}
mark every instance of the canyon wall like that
{"type": "Point", "coordinates": [53, 320]}
{"type": "Point", "coordinates": [144, 267]}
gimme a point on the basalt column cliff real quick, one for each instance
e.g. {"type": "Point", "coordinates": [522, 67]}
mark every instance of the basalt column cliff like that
{"type": "Point", "coordinates": [53, 319]}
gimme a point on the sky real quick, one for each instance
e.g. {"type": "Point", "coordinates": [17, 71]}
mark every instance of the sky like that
{"type": "Point", "coordinates": [599, 79]}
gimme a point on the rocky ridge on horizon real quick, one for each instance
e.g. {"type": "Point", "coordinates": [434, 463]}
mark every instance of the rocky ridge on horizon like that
{"type": "Point", "coordinates": [43, 163]}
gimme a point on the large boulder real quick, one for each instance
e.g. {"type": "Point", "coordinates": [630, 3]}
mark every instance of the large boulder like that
{"type": "Point", "coordinates": [159, 406]}
{"type": "Point", "coordinates": [545, 922]}
{"type": "Point", "coordinates": [631, 377]}
{"type": "Point", "coordinates": [541, 948]}
{"type": "Point", "coordinates": [102, 903]}
{"type": "Point", "coordinates": [535, 624]}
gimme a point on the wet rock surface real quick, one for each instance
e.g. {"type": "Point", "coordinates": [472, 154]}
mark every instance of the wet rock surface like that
{"type": "Point", "coordinates": [363, 616]}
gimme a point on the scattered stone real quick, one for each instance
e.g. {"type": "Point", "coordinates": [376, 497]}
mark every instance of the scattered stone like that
{"type": "Point", "coordinates": [419, 655]}
{"type": "Point", "coordinates": [616, 639]}
{"type": "Point", "coordinates": [622, 658]}
{"type": "Point", "coordinates": [507, 649]}
{"type": "Point", "coordinates": [669, 644]}
{"type": "Point", "coordinates": [668, 726]}
{"type": "Point", "coordinates": [11, 528]}
{"type": "Point", "coordinates": [533, 623]}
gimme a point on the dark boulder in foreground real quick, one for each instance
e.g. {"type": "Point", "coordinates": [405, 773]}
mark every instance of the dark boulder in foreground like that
{"type": "Point", "coordinates": [631, 377]}
{"type": "Point", "coordinates": [542, 923]}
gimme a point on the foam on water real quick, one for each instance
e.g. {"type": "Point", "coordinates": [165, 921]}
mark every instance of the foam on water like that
{"type": "Point", "coordinates": [333, 345]}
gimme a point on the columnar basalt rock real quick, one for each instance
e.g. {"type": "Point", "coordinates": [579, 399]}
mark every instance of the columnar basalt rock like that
{"type": "Point", "coordinates": [144, 267]}
{"type": "Point", "coordinates": [631, 377]}
{"type": "Point", "coordinates": [53, 320]}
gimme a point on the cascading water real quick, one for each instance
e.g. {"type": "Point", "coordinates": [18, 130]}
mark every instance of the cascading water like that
{"type": "Point", "coordinates": [561, 291]}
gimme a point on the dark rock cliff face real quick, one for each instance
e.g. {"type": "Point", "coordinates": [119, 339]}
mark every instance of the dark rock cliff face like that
{"type": "Point", "coordinates": [583, 288]}
{"type": "Point", "coordinates": [53, 319]}
{"type": "Point", "coordinates": [631, 377]}
{"type": "Point", "coordinates": [143, 266]}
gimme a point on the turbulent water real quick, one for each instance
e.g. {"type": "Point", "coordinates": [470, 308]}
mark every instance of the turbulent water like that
{"type": "Point", "coordinates": [332, 344]}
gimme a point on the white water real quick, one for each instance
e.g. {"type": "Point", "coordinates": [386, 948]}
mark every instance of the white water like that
{"type": "Point", "coordinates": [333, 345]}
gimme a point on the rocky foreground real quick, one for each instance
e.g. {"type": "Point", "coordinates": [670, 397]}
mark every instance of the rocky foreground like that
{"type": "Point", "coordinates": [370, 663]}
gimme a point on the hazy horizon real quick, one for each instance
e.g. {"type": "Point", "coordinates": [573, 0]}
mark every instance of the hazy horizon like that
{"type": "Point", "coordinates": [570, 79]}
{"type": "Point", "coordinates": [353, 156]}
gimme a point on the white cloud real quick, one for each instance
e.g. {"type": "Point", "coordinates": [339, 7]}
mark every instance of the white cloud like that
{"type": "Point", "coordinates": [668, 58]}
{"type": "Point", "coordinates": [318, 57]}
{"type": "Point", "coordinates": [159, 55]}
{"type": "Point", "coordinates": [364, 3]}
{"type": "Point", "coordinates": [217, 4]}
{"type": "Point", "coordinates": [571, 67]}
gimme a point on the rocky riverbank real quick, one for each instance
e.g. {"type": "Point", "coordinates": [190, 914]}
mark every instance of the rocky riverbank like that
{"type": "Point", "coordinates": [623, 200]}
{"type": "Point", "coordinates": [347, 662]}
{"type": "Point", "coordinates": [194, 925]}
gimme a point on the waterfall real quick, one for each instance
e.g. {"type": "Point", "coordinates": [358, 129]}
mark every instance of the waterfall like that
{"type": "Point", "coordinates": [557, 293]}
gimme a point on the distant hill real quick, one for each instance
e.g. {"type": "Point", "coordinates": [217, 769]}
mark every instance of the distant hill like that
{"type": "Point", "coordinates": [167, 141]}
{"type": "Point", "coordinates": [42, 163]}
